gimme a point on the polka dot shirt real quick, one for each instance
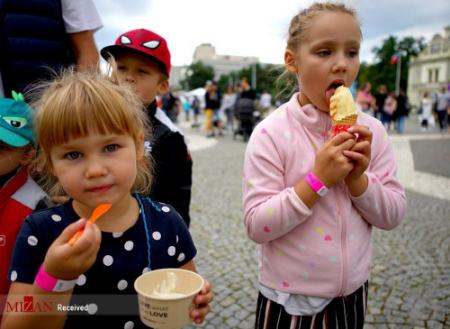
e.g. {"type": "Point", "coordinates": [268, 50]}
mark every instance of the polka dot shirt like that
{"type": "Point", "coordinates": [107, 287]}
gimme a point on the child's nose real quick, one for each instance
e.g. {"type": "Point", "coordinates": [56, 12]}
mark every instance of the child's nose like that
{"type": "Point", "coordinates": [341, 64]}
{"type": "Point", "coordinates": [95, 168]}
{"type": "Point", "coordinates": [130, 78]}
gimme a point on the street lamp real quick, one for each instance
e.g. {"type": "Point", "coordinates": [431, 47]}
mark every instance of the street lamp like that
{"type": "Point", "coordinates": [253, 67]}
{"type": "Point", "coordinates": [398, 72]}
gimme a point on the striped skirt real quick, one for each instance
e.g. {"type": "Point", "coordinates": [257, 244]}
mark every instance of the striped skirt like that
{"type": "Point", "coordinates": [346, 312]}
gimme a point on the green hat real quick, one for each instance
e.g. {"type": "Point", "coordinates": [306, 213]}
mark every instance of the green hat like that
{"type": "Point", "coordinates": [16, 121]}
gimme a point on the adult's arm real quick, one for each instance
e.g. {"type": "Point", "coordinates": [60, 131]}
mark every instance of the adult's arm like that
{"type": "Point", "coordinates": [85, 50]}
{"type": "Point", "coordinates": [81, 21]}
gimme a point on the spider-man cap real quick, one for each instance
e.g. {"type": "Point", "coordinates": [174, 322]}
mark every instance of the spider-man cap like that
{"type": "Point", "coordinates": [141, 41]}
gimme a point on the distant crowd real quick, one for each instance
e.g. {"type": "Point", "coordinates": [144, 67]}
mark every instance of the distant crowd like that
{"type": "Point", "coordinates": [393, 109]}
{"type": "Point", "coordinates": [237, 110]}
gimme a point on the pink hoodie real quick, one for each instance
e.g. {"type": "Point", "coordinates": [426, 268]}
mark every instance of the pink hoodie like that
{"type": "Point", "coordinates": [324, 251]}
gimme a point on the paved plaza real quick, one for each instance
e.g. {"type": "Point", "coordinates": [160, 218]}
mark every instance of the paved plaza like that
{"type": "Point", "coordinates": [410, 279]}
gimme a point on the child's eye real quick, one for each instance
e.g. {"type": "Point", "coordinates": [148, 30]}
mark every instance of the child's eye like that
{"type": "Point", "coordinates": [121, 68]}
{"type": "Point", "coordinates": [72, 155]}
{"type": "Point", "coordinates": [353, 53]}
{"type": "Point", "coordinates": [323, 53]}
{"type": "Point", "coordinates": [143, 71]}
{"type": "Point", "coordinates": [111, 148]}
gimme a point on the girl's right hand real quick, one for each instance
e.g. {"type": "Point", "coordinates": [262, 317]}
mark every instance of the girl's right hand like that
{"type": "Point", "coordinates": [331, 165]}
{"type": "Point", "coordinates": [67, 262]}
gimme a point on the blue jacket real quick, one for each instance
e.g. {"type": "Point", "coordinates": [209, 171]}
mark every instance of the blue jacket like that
{"type": "Point", "coordinates": [33, 42]}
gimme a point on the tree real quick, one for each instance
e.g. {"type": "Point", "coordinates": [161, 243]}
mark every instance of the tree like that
{"type": "Point", "coordinates": [197, 75]}
{"type": "Point", "coordinates": [225, 80]}
{"type": "Point", "coordinates": [382, 71]}
{"type": "Point", "coordinates": [266, 76]}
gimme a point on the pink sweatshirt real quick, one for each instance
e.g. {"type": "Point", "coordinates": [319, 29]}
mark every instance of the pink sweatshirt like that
{"type": "Point", "coordinates": [324, 251]}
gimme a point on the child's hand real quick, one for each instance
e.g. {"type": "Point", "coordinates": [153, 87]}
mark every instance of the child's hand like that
{"type": "Point", "coordinates": [331, 165]}
{"type": "Point", "coordinates": [360, 153]}
{"type": "Point", "coordinates": [202, 300]}
{"type": "Point", "coordinates": [67, 262]}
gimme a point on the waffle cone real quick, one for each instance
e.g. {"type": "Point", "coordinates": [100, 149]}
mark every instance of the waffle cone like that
{"type": "Point", "coordinates": [348, 120]}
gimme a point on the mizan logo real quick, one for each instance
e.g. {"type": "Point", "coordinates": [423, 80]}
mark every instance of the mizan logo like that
{"type": "Point", "coordinates": [29, 305]}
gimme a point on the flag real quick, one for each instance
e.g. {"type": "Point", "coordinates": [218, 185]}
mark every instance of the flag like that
{"type": "Point", "coordinates": [394, 59]}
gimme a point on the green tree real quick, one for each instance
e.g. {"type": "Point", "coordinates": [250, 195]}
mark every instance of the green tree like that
{"type": "Point", "coordinates": [382, 71]}
{"type": "Point", "coordinates": [266, 76]}
{"type": "Point", "coordinates": [197, 75]}
{"type": "Point", "coordinates": [225, 80]}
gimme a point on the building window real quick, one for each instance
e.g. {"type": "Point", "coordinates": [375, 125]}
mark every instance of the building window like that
{"type": "Point", "coordinates": [433, 75]}
{"type": "Point", "coordinates": [435, 48]}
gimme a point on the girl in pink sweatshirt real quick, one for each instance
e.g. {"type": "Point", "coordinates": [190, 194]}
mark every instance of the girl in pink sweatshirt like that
{"type": "Point", "coordinates": [311, 200]}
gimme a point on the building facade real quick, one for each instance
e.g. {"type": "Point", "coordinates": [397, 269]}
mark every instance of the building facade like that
{"type": "Point", "coordinates": [222, 64]}
{"type": "Point", "coordinates": [430, 70]}
{"type": "Point", "coordinates": [177, 74]}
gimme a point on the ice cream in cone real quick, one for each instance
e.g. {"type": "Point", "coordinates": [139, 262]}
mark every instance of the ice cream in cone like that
{"type": "Point", "coordinates": [343, 110]}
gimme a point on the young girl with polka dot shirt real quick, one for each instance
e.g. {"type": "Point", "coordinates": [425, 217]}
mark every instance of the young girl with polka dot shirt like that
{"type": "Point", "coordinates": [91, 134]}
{"type": "Point", "coordinates": [311, 200]}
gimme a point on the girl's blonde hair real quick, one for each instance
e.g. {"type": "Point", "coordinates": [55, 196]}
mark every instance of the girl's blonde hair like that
{"type": "Point", "coordinates": [297, 31]}
{"type": "Point", "coordinates": [77, 104]}
{"type": "Point", "coordinates": [303, 20]}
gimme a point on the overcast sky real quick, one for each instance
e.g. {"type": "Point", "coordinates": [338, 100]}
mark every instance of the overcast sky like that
{"type": "Point", "coordinates": [259, 28]}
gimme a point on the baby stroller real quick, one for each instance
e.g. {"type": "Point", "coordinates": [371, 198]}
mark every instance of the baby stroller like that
{"type": "Point", "coordinates": [246, 116]}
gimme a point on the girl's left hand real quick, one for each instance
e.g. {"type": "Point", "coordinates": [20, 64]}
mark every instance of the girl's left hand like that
{"type": "Point", "coordinates": [202, 300]}
{"type": "Point", "coordinates": [360, 153]}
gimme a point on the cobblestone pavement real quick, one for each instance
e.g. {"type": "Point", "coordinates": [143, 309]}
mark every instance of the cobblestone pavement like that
{"type": "Point", "coordinates": [410, 279]}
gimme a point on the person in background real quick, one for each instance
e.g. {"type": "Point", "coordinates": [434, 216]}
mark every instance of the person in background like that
{"type": "Point", "coordinates": [426, 106]}
{"type": "Point", "coordinates": [244, 108]}
{"type": "Point", "coordinates": [227, 107]}
{"type": "Point", "coordinates": [38, 38]}
{"type": "Point", "coordinates": [448, 112]}
{"type": "Point", "coordinates": [212, 109]}
{"type": "Point", "coordinates": [195, 105]}
{"type": "Point", "coordinates": [402, 111]}
{"type": "Point", "coordinates": [186, 108]}
{"type": "Point", "coordinates": [19, 194]}
{"type": "Point", "coordinates": [311, 200]}
{"type": "Point", "coordinates": [265, 101]}
{"type": "Point", "coordinates": [389, 108]}
{"type": "Point", "coordinates": [443, 100]}
{"type": "Point", "coordinates": [364, 98]}
{"type": "Point", "coordinates": [380, 98]}
{"type": "Point", "coordinates": [142, 59]}
{"type": "Point", "coordinates": [170, 106]}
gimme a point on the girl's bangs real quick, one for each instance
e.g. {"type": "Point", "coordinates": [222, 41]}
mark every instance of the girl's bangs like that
{"type": "Point", "coordinates": [61, 125]}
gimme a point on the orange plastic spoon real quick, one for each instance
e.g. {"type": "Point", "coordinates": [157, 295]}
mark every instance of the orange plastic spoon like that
{"type": "Point", "coordinates": [96, 214]}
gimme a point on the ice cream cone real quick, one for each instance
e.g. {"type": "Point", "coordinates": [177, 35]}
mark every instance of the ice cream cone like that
{"type": "Point", "coordinates": [343, 110]}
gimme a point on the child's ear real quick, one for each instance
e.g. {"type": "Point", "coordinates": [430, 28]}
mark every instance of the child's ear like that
{"type": "Point", "coordinates": [28, 156]}
{"type": "Point", "coordinates": [163, 86]}
{"type": "Point", "coordinates": [289, 61]}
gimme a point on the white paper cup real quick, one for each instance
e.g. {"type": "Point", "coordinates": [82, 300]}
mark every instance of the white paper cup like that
{"type": "Point", "coordinates": [167, 313]}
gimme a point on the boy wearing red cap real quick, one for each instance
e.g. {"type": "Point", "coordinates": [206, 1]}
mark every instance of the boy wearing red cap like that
{"type": "Point", "coordinates": [143, 59]}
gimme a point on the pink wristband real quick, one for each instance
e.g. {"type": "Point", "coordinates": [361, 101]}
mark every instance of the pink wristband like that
{"type": "Point", "coordinates": [50, 283]}
{"type": "Point", "coordinates": [316, 184]}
